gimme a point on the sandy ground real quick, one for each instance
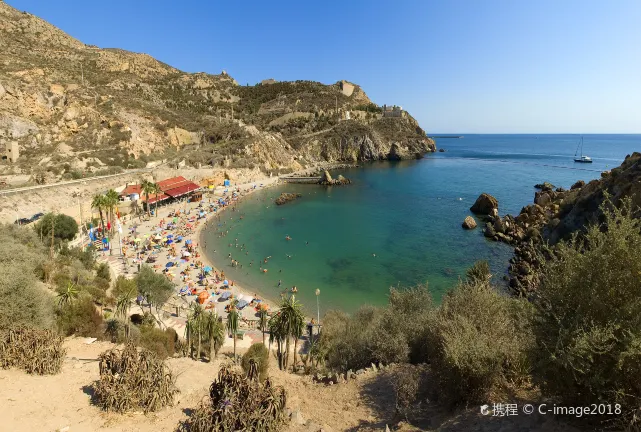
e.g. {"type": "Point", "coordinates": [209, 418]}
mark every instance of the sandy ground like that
{"type": "Point", "coordinates": [50, 403]}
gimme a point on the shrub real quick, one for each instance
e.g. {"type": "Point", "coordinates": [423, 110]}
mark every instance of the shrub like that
{"type": "Point", "coordinates": [103, 271]}
{"type": "Point", "coordinates": [132, 380]}
{"type": "Point", "coordinates": [236, 403]}
{"type": "Point", "coordinates": [23, 299]}
{"type": "Point", "coordinates": [86, 257]}
{"type": "Point", "coordinates": [33, 350]}
{"type": "Point", "coordinates": [80, 317]}
{"type": "Point", "coordinates": [124, 286]}
{"type": "Point", "coordinates": [478, 342]}
{"type": "Point", "coordinates": [407, 381]}
{"type": "Point", "coordinates": [160, 342]}
{"type": "Point", "coordinates": [258, 353]}
{"type": "Point", "coordinates": [588, 325]}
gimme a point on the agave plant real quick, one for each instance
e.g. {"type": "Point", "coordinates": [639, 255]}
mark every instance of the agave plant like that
{"type": "Point", "coordinates": [69, 294]}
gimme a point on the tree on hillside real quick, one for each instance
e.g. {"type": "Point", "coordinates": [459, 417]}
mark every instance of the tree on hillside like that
{"type": "Point", "coordinates": [125, 294]}
{"type": "Point", "coordinates": [156, 288]}
{"type": "Point", "coordinates": [157, 191]}
{"type": "Point", "coordinates": [588, 327]}
{"type": "Point", "coordinates": [64, 227]}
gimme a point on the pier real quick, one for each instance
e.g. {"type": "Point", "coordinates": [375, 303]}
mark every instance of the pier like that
{"type": "Point", "coordinates": [292, 179]}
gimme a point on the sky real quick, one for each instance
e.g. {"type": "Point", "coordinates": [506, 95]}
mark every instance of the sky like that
{"type": "Point", "coordinates": [490, 66]}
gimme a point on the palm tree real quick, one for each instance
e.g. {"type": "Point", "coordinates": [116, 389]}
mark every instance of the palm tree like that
{"type": "Point", "coordinates": [157, 190]}
{"type": "Point", "coordinates": [232, 325]}
{"type": "Point", "coordinates": [67, 296]}
{"type": "Point", "coordinates": [215, 332]}
{"type": "Point", "coordinates": [292, 323]}
{"type": "Point", "coordinates": [147, 188]}
{"type": "Point", "coordinates": [277, 333]}
{"type": "Point", "coordinates": [111, 201]}
{"type": "Point", "coordinates": [100, 203]}
{"type": "Point", "coordinates": [194, 328]}
{"type": "Point", "coordinates": [262, 322]}
{"type": "Point", "coordinates": [123, 304]}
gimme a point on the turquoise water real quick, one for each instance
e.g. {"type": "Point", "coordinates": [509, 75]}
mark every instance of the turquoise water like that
{"type": "Point", "coordinates": [407, 213]}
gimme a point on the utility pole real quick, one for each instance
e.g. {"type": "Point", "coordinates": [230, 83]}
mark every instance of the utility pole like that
{"type": "Point", "coordinates": [53, 219]}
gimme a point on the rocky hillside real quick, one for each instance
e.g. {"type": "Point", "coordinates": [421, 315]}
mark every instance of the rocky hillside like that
{"type": "Point", "coordinates": [75, 109]}
{"type": "Point", "coordinates": [556, 214]}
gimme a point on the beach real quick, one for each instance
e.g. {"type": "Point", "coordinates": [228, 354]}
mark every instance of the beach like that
{"type": "Point", "coordinates": [154, 242]}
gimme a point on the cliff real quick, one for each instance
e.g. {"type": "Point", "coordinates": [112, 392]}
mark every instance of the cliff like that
{"type": "Point", "coordinates": [75, 108]}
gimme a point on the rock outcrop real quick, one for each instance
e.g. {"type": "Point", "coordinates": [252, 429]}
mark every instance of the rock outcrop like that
{"type": "Point", "coordinates": [469, 223]}
{"type": "Point", "coordinates": [485, 204]}
{"type": "Point", "coordinates": [287, 197]}
{"type": "Point", "coordinates": [557, 214]}
{"type": "Point", "coordinates": [327, 180]}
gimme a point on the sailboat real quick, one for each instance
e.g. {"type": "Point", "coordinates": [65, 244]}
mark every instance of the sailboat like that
{"type": "Point", "coordinates": [582, 158]}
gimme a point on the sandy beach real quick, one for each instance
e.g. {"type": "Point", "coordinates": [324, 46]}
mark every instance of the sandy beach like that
{"type": "Point", "coordinates": [170, 242]}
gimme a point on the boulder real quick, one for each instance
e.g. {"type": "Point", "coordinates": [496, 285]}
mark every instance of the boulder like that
{"type": "Point", "coordinates": [578, 185]}
{"type": "Point", "coordinates": [499, 225]}
{"type": "Point", "coordinates": [441, 150]}
{"type": "Point", "coordinates": [469, 223]}
{"type": "Point", "coordinates": [542, 198]}
{"type": "Point", "coordinates": [287, 197]}
{"type": "Point", "coordinates": [546, 186]}
{"type": "Point", "coordinates": [326, 177]}
{"type": "Point", "coordinates": [489, 230]}
{"type": "Point", "coordinates": [297, 418]}
{"type": "Point", "coordinates": [485, 204]}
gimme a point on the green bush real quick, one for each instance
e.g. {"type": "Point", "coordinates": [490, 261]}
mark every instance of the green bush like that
{"type": "Point", "coordinates": [80, 317]}
{"type": "Point", "coordinates": [86, 257]}
{"type": "Point", "coordinates": [64, 227]}
{"type": "Point", "coordinates": [23, 298]}
{"type": "Point", "coordinates": [162, 343]}
{"type": "Point", "coordinates": [588, 326]}
{"type": "Point", "coordinates": [478, 343]}
{"type": "Point", "coordinates": [124, 286]}
{"type": "Point", "coordinates": [260, 354]}
{"type": "Point", "coordinates": [103, 271]}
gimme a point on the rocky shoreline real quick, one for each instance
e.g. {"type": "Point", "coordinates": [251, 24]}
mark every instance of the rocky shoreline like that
{"type": "Point", "coordinates": [556, 214]}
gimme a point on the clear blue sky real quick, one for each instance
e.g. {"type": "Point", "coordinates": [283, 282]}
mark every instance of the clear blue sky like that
{"type": "Point", "coordinates": [458, 66]}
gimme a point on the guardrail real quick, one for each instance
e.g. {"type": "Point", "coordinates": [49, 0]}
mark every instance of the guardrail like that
{"type": "Point", "coordinates": [68, 182]}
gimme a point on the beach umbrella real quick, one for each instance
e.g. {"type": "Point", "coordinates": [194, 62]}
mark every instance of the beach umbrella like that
{"type": "Point", "coordinates": [208, 269]}
{"type": "Point", "coordinates": [225, 282]}
{"type": "Point", "coordinates": [179, 237]}
{"type": "Point", "coordinates": [225, 295]}
{"type": "Point", "coordinates": [241, 304]}
{"type": "Point", "coordinates": [170, 236]}
{"type": "Point", "coordinates": [187, 241]}
{"type": "Point", "coordinates": [137, 240]}
{"type": "Point", "coordinates": [169, 264]}
{"type": "Point", "coordinates": [186, 254]}
{"type": "Point", "coordinates": [170, 241]}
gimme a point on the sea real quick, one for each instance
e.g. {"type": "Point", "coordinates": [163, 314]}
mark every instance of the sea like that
{"type": "Point", "coordinates": [399, 223]}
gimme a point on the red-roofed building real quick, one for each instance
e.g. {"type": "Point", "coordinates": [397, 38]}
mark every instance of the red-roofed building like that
{"type": "Point", "coordinates": [131, 189]}
{"type": "Point", "coordinates": [177, 186]}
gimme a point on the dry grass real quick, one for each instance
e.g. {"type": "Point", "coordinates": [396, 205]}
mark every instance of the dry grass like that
{"type": "Point", "coordinates": [132, 380]}
{"type": "Point", "coordinates": [33, 350]}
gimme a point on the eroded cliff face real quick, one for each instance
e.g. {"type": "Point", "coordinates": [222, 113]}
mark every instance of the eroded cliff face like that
{"type": "Point", "coordinates": [75, 109]}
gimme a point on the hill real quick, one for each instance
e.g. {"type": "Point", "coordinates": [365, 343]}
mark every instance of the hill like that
{"type": "Point", "coordinates": [76, 109]}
